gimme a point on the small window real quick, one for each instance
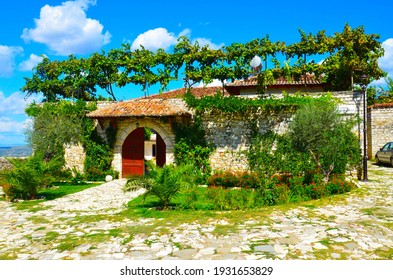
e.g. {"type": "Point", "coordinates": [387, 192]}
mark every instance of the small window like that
{"type": "Point", "coordinates": [153, 152]}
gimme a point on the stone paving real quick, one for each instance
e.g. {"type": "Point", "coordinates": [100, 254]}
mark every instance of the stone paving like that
{"type": "Point", "coordinates": [85, 225]}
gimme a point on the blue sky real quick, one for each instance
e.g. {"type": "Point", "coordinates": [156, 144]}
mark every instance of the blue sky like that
{"type": "Point", "coordinates": [30, 29]}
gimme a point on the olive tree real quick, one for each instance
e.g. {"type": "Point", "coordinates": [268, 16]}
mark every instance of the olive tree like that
{"type": "Point", "coordinates": [327, 136]}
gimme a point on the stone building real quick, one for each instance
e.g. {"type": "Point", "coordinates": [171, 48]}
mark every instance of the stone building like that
{"type": "Point", "coordinates": [229, 133]}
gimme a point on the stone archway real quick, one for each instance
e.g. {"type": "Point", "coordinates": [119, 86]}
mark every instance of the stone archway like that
{"type": "Point", "coordinates": [127, 126]}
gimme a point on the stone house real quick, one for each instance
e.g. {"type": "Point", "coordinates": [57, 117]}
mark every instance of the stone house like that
{"type": "Point", "coordinates": [229, 133]}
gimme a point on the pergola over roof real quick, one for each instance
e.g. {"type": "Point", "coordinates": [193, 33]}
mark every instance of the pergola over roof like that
{"type": "Point", "coordinates": [179, 93]}
{"type": "Point", "coordinates": [308, 79]}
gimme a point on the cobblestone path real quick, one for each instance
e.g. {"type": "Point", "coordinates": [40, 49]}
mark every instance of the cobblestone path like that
{"type": "Point", "coordinates": [88, 225]}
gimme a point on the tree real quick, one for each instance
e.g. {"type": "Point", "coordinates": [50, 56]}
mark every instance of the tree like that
{"type": "Point", "coordinates": [355, 53]}
{"type": "Point", "coordinates": [45, 80]}
{"type": "Point", "coordinates": [103, 71]}
{"type": "Point", "coordinates": [380, 94]}
{"type": "Point", "coordinates": [327, 136]}
{"type": "Point", "coordinates": [54, 126]}
{"type": "Point", "coordinates": [349, 54]}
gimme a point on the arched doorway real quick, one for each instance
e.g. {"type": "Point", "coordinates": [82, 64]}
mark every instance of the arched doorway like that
{"type": "Point", "coordinates": [134, 152]}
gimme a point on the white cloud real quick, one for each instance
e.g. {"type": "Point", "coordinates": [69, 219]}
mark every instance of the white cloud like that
{"type": "Point", "coordinates": [11, 125]}
{"type": "Point", "coordinates": [204, 41]}
{"type": "Point", "coordinates": [12, 131]}
{"type": "Point", "coordinates": [15, 104]}
{"type": "Point", "coordinates": [155, 39]}
{"type": "Point", "coordinates": [66, 29]}
{"type": "Point", "coordinates": [29, 64]}
{"type": "Point", "coordinates": [7, 59]}
{"type": "Point", "coordinates": [214, 83]}
{"type": "Point", "coordinates": [386, 62]}
{"type": "Point", "coordinates": [186, 32]}
{"type": "Point", "coordinates": [13, 120]}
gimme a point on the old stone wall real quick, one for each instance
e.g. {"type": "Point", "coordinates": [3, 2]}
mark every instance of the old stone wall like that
{"type": "Point", "coordinates": [230, 134]}
{"type": "Point", "coordinates": [380, 126]}
{"type": "Point", "coordinates": [4, 163]}
{"type": "Point", "coordinates": [74, 156]}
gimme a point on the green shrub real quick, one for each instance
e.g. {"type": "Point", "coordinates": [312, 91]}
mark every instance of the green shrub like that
{"type": "Point", "coordinates": [191, 198]}
{"type": "Point", "coordinates": [229, 179]}
{"type": "Point", "coordinates": [98, 161]}
{"type": "Point", "coordinates": [298, 190]}
{"type": "Point", "coordinates": [196, 155]}
{"type": "Point", "coordinates": [191, 148]}
{"type": "Point", "coordinates": [321, 131]}
{"type": "Point", "coordinates": [271, 192]}
{"type": "Point", "coordinates": [230, 199]}
{"type": "Point", "coordinates": [338, 185]}
{"type": "Point", "coordinates": [271, 154]}
{"type": "Point", "coordinates": [164, 183]}
{"type": "Point", "coordinates": [219, 197]}
{"type": "Point", "coordinates": [242, 199]}
{"type": "Point", "coordinates": [28, 176]}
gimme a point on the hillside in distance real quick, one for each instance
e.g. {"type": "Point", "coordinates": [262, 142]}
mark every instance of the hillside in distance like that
{"type": "Point", "coordinates": [17, 151]}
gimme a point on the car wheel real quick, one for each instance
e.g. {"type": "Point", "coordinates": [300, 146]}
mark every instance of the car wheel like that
{"type": "Point", "coordinates": [391, 161]}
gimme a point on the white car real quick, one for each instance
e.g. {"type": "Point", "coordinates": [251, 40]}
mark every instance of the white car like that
{"type": "Point", "coordinates": [385, 154]}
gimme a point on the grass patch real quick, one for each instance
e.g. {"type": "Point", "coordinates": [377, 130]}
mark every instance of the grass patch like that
{"type": "Point", "coordinates": [39, 220]}
{"type": "Point", "coordinates": [378, 212]}
{"type": "Point", "coordinates": [63, 189]}
{"type": "Point", "coordinates": [8, 256]}
{"type": "Point", "coordinates": [67, 246]}
{"type": "Point", "coordinates": [93, 239]}
{"type": "Point", "coordinates": [222, 230]}
{"type": "Point", "coordinates": [59, 190]}
{"type": "Point", "coordinates": [32, 206]}
{"type": "Point", "coordinates": [51, 235]}
{"type": "Point", "coordinates": [384, 253]}
{"type": "Point", "coordinates": [325, 242]}
{"type": "Point", "coordinates": [116, 232]}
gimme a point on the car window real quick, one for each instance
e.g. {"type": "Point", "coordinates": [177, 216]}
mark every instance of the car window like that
{"type": "Point", "coordinates": [386, 147]}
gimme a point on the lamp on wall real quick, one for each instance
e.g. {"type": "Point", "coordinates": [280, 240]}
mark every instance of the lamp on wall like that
{"type": "Point", "coordinates": [364, 79]}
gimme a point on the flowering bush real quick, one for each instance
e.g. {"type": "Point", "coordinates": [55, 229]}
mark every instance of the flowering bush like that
{"type": "Point", "coordinates": [338, 185]}
{"type": "Point", "coordinates": [235, 179]}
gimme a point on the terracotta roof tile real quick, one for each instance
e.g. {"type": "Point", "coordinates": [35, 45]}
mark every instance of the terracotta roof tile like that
{"type": "Point", "coordinates": [142, 107]}
{"type": "Point", "coordinates": [164, 104]}
{"type": "Point", "coordinates": [383, 105]}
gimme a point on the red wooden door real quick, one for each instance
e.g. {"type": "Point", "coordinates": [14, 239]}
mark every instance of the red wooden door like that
{"type": "Point", "coordinates": [161, 151]}
{"type": "Point", "coordinates": [133, 153]}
